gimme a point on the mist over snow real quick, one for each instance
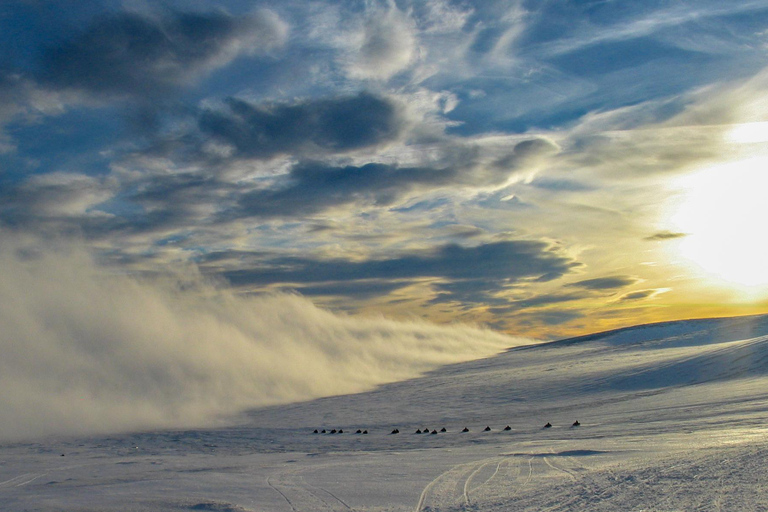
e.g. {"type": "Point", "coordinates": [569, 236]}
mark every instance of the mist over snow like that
{"type": "Point", "coordinates": [85, 350]}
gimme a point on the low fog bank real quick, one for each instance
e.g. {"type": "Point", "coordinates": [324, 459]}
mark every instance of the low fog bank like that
{"type": "Point", "coordinates": [87, 351]}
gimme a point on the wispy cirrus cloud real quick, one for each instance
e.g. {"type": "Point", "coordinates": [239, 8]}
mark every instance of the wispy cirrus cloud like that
{"type": "Point", "coordinates": [617, 25]}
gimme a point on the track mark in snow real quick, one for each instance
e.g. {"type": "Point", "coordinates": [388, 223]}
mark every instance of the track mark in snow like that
{"type": "Point", "coordinates": [12, 480]}
{"type": "Point", "coordinates": [19, 481]}
{"type": "Point", "coordinates": [472, 476]}
{"type": "Point", "coordinates": [498, 466]}
{"type": "Point", "coordinates": [449, 490]}
{"type": "Point", "coordinates": [326, 491]}
{"type": "Point", "coordinates": [559, 469]}
{"type": "Point", "coordinates": [683, 481]}
{"type": "Point", "coordinates": [457, 488]}
{"type": "Point", "coordinates": [30, 480]}
{"type": "Point", "coordinates": [269, 483]}
{"type": "Point", "coordinates": [530, 472]}
{"type": "Point", "coordinates": [302, 496]}
{"type": "Point", "coordinates": [424, 494]}
{"type": "Point", "coordinates": [496, 472]}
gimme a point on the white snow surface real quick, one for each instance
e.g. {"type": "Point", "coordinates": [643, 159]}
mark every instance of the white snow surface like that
{"type": "Point", "coordinates": [672, 417]}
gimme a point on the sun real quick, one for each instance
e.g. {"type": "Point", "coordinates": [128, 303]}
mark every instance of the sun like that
{"type": "Point", "coordinates": [723, 214]}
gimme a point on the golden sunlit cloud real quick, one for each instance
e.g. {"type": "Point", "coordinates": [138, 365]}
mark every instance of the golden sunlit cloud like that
{"type": "Point", "coordinates": [723, 213]}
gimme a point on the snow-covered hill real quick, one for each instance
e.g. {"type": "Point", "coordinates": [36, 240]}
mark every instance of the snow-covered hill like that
{"type": "Point", "coordinates": [671, 417]}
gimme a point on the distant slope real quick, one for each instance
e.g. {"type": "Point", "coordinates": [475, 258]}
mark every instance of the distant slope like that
{"type": "Point", "coordinates": [578, 378]}
{"type": "Point", "coordinates": [698, 331]}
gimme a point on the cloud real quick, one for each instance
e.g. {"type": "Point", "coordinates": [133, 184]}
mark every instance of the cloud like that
{"type": "Point", "coordinates": [181, 206]}
{"type": "Point", "coordinates": [527, 153]}
{"type": "Point", "coordinates": [470, 274]}
{"type": "Point", "coordinates": [545, 300]}
{"type": "Point", "coordinates": [125, 55]}
{"type": "Point", "coordinates": [111, 206]}
{"type": "Point", "coordinates": [388, 45]}
{"type": "Point", "coordinates": [14, 92]}
{"type": "Point", "coordinates": [442, 16]}
{"type": "Point", "coordinates": [86, 350]}
{"type": "Point", "coordinates": [53, 196]}
{"type": "Point", "coordinates": [513, 259]}
{"type": "Point", "coordinates": [131, 54]}
{"type": "Point", "coordinates": [554, 317]}
{"type": "Point", "coordinates": [360, 290]}
{"type": "Point", "coordinates": [145, 194]}
{"type": "Point", "coordinates": [312, 187]}
{"type": "Point", "coordinates": [547, 317]}
{"type": "Point", "coordinates": [664, 235]}
{"type": "Point", "coordinates": [311, 127]}
{"type": "Point", "coordinates": [387, 121]}
{"type": "Point", "coordinates": [567, 60]}
{"type": "Point", "coordinates": [561, 185]}
{"type": "Point", "coordinates": [22, 99]}
{"type": "Point", "coordinates": [173, 199]}
{"type": "Point", "coordinates": [605, 283]}
{"type": "Point", "coordinates": [643, 22]}
{"type": "Point", "coordinates": [642, 294]}
{"type": "Point", "coordinates": [469, 293]}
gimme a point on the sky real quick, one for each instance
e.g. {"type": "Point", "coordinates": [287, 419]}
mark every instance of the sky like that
{"type": "Point", "coordinates": [540, 168]}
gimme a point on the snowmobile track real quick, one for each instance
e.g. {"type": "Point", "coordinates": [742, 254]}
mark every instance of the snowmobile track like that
{"type": "Point", "coordinates": [302, 496]}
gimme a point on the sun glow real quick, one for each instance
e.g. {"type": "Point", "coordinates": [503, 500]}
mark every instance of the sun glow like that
{"type": "Point", "coordinates": [749, 133]}
{"type": "Point", "coordinates": [723, 214]}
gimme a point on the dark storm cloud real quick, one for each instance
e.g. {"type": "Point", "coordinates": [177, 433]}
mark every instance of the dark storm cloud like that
{"type": "Point", "coordinates": [320, 125]}
{"type": "Point", "coordinates": [664, 235]}
{"type": "Point", "coordinates": [473, 270]}
{"type": "Point", "coordinates": [132, 54]}
{"type": "Point", "coordinates": [604, 283]}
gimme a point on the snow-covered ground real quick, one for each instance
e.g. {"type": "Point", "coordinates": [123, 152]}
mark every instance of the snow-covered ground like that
{"type": "Point", "coordinates": [672, 417]}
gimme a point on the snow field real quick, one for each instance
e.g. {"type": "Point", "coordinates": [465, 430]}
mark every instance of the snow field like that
{"type": "Point", "coordinates": [673, 417]}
